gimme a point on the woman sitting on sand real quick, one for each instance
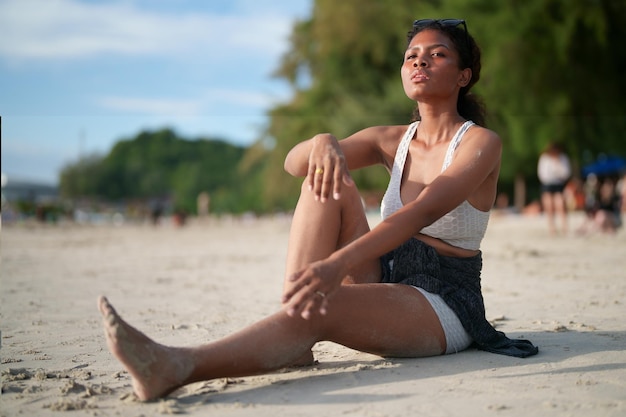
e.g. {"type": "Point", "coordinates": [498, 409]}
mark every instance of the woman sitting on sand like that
{"type": "Point", "coordinates": [410, 287]}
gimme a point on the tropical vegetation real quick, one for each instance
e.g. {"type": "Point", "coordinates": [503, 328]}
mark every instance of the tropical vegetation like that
{"type": "Point", "coordinates": [553, 70]}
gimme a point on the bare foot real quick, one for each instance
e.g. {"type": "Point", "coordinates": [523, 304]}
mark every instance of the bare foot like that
{"type": "Point", "coordinates": [156, 370]}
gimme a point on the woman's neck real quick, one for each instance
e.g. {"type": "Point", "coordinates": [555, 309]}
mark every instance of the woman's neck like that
{"type": "Point", "coordinates": [439, 126]}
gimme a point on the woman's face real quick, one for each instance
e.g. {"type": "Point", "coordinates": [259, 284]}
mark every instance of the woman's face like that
{"type": "Point", "coordinates": [431, 67]}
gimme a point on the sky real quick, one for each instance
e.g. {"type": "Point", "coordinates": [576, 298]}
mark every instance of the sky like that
{"type": "Point", "coordinates": [77, 76]}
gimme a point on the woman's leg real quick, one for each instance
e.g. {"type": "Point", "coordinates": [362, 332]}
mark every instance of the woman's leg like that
{"type": "Point", "coordinates": [548, 209]}
{"type": "Point", "coordinates": [384, 319]}
{"type": "Point", "coordinates": [318, 229]}
{"type": "Point", "coordinates": [560, 210]}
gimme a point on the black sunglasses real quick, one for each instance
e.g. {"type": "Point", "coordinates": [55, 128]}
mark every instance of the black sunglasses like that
{"type": "Point", "coordinates": [422, 23]}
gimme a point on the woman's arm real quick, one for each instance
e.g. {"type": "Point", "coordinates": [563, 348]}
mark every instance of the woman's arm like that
{"type": "Point", "coordinates": [471, 176]}
{"type": "Point", "coordinates": [326, 162]}
{"type": "Point", "coordinates": [360, 149]}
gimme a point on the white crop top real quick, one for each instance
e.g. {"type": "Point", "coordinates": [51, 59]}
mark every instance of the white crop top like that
{"type": "Point", "coordinates": [464, 226]}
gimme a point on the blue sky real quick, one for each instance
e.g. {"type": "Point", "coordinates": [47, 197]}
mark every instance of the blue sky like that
{"type": "Point", "coordinates": [76, 76]}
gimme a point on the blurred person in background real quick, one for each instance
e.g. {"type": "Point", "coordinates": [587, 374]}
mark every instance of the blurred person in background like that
{"type": "Point", "coordinates": [553, 170]}
{"type": "Point", "coordinates": [604, 210]}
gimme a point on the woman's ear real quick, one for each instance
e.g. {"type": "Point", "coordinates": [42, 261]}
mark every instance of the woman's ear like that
{"type": "Point", "coordinates": [465, 77]}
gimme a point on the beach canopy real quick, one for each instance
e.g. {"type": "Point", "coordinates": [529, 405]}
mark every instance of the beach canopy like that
{"type": "Point", "coordinates": [606, 165]}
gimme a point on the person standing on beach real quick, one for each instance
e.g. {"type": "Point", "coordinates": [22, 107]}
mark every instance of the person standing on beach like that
{"type": "Point", "coordinates": [553, 170]}
{"type": "Point", "coordinates": [410, 287]}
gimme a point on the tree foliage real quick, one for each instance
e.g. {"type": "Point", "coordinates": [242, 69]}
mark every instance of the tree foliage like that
{"type": "Point", "coordinates": [552, 71]}
{"type": "Point", "coordinates": [160, 165]}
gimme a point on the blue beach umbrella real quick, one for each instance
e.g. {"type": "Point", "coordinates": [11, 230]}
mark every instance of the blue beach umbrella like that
{"type": "Point", "coordinates": [607, 165]}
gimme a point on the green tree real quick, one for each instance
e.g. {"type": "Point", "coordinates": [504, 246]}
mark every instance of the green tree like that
{"type": "Point", "coordinates": [552, 73]}
{"type": "Point", "coordinates": [79, 179]}
{"type": "Point", "coordinates": [552, 70]}
{"type": "Point", "coordinates": [160, 165]}
{"type": "Point", "coordinates": [344, 67]}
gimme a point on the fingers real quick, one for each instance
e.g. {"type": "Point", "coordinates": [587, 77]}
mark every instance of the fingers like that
{"type": "Point", "coordinates": [322, 183]}
{"type": "Point", "coordinates": [347, 179]}
{"type": "Point", "coordinates": [326, 180]}
{"type": "Point", "coordinates": [327, 171]}
{"type": "Point", "coordinates": [337, 182]}
{"type": "Point", "coordinates": [312, 174]}
{"type": "Point", "coordinates": [316, 304]}
{"type": "Point", "coordinates": [324, 304]}
{"type": "Point", "coordinates": [320, 179]}
{"type": "Point", "coordinates": [304, 298]}
{"type": "Point", "coordinates": [306, 304]}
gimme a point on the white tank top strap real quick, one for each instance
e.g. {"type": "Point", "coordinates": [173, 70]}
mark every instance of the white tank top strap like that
{"type": "Point", "coordinates": [402, 152]}
{"type": "Point", "coordinates": [391, 200]}
{"type": "Point", "coordinates": [464, 226]}
{"type": "Point", "coordinates": [454, 143]}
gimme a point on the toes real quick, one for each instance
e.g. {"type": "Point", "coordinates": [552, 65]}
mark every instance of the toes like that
{"type": "Point", "coordinates": [106, 309]}
{"type": "Point", "coordinates": [103, 305]}
{"type": "Point", "coordinates": [110, 318]}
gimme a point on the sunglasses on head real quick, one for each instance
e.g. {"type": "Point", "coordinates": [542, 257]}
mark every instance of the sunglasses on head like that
{"type": "Point", "coordinates": [422, 23]}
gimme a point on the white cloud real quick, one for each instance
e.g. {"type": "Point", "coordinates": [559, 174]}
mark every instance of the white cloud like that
{"type": "Point", "coordinates": [212, 101]}
{"type": "Point", "coordinates": [199, 66]}
{"type": "Point", "coordinates": [241, 98]}
{"type": "Point", "coordinates": [152, 106]}
{"type": "Point", "coordinates": [61, 29]}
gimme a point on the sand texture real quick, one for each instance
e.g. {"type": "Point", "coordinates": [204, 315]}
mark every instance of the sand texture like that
{"type": "Point", "coordinates": [188, 285]}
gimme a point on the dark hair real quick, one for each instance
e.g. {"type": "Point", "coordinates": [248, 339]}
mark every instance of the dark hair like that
{"type": "Point", "coordinates": [468, 104]}
{"type": "Point", "coordinates": [554, 148]}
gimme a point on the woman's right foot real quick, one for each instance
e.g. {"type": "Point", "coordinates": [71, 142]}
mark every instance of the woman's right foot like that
{"type": "Point", "coordinates": [156, 370]}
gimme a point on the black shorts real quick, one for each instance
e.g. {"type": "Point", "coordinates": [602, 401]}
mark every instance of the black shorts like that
{"type": "Point", "coordinates": [553, 188]}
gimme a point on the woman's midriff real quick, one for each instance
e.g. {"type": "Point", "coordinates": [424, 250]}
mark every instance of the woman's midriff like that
{"type": "Point", "coordinates": [445, 249]}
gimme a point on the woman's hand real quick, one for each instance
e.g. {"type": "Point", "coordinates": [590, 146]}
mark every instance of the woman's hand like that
{"type": "Point", "coordinates": [327, 168]}
{"type": "Point", "coordinates": [312, 288]}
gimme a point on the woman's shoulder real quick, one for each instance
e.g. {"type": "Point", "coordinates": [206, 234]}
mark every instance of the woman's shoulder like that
{"type": "Point", "coordinates": [483, 136]}
{"type": "Point", "coordinates": [483, 132]}
{"type": "Point", "coordinates": [480, 141]}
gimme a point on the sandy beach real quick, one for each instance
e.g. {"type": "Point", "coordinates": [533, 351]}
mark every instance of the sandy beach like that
{"type": "Point", "coordinates": [193, 284]}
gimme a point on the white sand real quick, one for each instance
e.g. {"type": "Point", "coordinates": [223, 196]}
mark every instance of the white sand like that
{"type": "Point", "coordinates": [190, 285]}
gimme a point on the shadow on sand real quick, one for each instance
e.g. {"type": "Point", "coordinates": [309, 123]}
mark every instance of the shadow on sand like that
{"type": "Point", "coordinates": [330, 382]}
